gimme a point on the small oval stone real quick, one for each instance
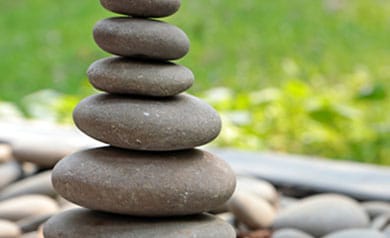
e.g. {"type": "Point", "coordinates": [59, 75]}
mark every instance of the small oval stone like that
{"type": "Point", "coordinates": [335, 212]}
{"type": "Point", "coordinates": [142, 8]}
{"type": "Point", "coordinates": [144, 183]}
{"type": "Point", "coordinates": [9, 229]}
{"type": "Point", "coordinates": [81, 223]}
{"type": "Point", "coordinates": [24, 206]}
{"type": "Point", "coordinates": [174, 123]}
{"type": "Point", "coordinates": [356, 233]}
{"type": "Point", "coordinates": [36, 184]}
{"type": "Point", "coordinates": [141, 38]}
{"type": "Point", "coordinates": [254, 212]}
{"type": "Point", "coordinates": [9, 172]}
{"type": "Point", "coordinates": [129, 76]}
{"type": "Point", "coordinates": [259, 188]}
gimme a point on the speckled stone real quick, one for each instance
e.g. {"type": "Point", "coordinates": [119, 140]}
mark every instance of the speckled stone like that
{"type": "Point", "coordinates": [9, 229]}
{"type": "Point", "coordinates": [335, 212]}
{"type": "Point", "coordinates": [174, 123]}
{"type": "Point", "coordinates": [141, 38]}
{"type": "Point", "coordinates": [129, 76]}
{"type": "Point", "coordinates": [144, 183]}
{"type": "Point", "coordinates": [142, 8]}
{"type": "Point", "coordinates": [36, 184]}
{"type": "Point", "coordinates": [24, 206]}
{"type": "Point", "coordinates": [356, 233]}
{"type": "Point", "coordinates": [81, 223]}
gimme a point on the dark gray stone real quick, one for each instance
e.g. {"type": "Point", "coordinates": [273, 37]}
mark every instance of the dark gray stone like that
{"type": "Point", "coordinates": [144, 183]}
{"type": "Point", "coordinates": [141, 38]}
{"type": "Point", "coordinates": [81, 223]}
{"type": "Point", "coordinates": [129, 76]}
{"type": "Point", "coordinates": [142, 8]}
{"type": "Point", "coordinates": [37, 184]}
{"type": "Point", "coordinates": [322, 214]}
{"type": "Point", "coordinates": [9, 172]}
{"type": "Point", "coordinates": [174, 123]}
{"type": "Point", "coordinates": [356, 233]}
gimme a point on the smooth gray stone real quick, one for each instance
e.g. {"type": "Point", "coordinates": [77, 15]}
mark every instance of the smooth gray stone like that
{"type": "Point", "coordinates": [81, 223]}
{"type": "Point", "coordinates": [322, 214]}
{"type": "Point", "coordinates": [37, 184]}
{"type": "Point", "coordinates": [290, 233]}
{"type": "Point", "coordinates": [129, 76]}
{"type": "Point", "coordinates": [141, 38]}
{"type": "Point", "coordinates": [259, 188]}
{"type": "Point", "coordinates": [144, 183]}
{"type": "Point", "coordinates": [142, 8]}
{"type": "Point", "coordinates": [380, 222]}
{"type": "Point", "coordinates": [9, 172]}
{"type": "Point", "coordinates": [312, 174]}
{"type": "Point", "coordinates": [164, 124]}
{"type": "Point", "coordinates": [32, 223]}
{"type": "Point", "coordinates": [376, 208]}
{"type": "Point", "coordinates": [356, 233]}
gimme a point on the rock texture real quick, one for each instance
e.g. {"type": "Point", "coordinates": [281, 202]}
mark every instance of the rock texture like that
{"type": "Point", "coordinates": [141, 8]}
{"type": "Point", "coordinates": [80, 223]}
{"type": "Point", "coordinates": [144, 183]}
{"type": "Point", "coordinates": [141, 38]}
{"type": "Point", "coordinates": [174, 123]}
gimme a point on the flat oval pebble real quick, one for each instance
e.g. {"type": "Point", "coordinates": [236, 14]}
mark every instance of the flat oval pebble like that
{"type": "Point", "coordinates": [254, 212]}
{"type": "Point", "coordinates": [290, 233]}
{"type": "Point", "coordinates": [174, 123]}
{"type": "Point", "coordinates": [141, 38]}
{"type": "Point", "coordinates": [9, 172]}
{"type": "Point", "coordinates": [81, 223]}
{"type": "Point", "coordinates": [144, 183]}
{"type": "Point", "coordinates": [259, 188]}
{"type": "Point", "coordinates": [9, 229]}
{"type": "Point", "coordinates": [322, 214]}
{"type": "Point", "coordinates": [24, 206]}
{"type": "Point", "coordinates": [36, 184]}
{"type": "Point", "coordinates": [356, 233]}
{"type": "Point", "coordinates": [129, 76]}
{"type": "Point", "coordinates": [142, 8]}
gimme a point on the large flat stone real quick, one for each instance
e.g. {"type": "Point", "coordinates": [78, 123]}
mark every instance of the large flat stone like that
{"type": "Point", "coordinates": [81, 223]}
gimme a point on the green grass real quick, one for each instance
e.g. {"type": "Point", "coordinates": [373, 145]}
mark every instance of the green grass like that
{"type": "Point", "coordinates": [338, 55]}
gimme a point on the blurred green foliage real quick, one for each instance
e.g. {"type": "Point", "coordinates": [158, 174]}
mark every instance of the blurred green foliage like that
{"type": "Point", "coordinates": [298, 76]}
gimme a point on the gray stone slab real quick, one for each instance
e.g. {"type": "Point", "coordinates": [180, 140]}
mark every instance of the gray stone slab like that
{"type": "Point", "coordinates": [361, 181]}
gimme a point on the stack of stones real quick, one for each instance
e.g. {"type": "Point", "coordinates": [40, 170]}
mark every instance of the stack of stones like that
{"type": "Point", "coordinates": [150, 181]}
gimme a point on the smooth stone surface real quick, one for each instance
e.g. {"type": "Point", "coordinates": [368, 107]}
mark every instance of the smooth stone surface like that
{"type": "Point", "coordinates": [37, 184]}
{"type": "Point", "coordinates": [39, 152]}
{"type": "Point", "coordinates": [254, 212]}
{"type": "Point", "coordinates": [386, 231]}
{"type": "Point", "coordinates": [25, 206]}
{"type": "Point", "coordinates": [174, 123]}
{"type": "Point", "coordinates": [290, 233]}
{"type": "Point", "coordinates": [81, 223]}
{"type": "Point", "coordinates": [32, 223]}
{"type": "Point", "coordinates": [376, 208]}
{"type": "Point", "coordinates": [142, 8]}
{"type": "Point", "coordinates": [381, 221]}
{"type": "Point", "coordinates": [31, 235]}
{"type": "Point", "coordinates": [356, 233]}
{"type": "Point", "coordinates": [9, 230]}
{"type": "Point", "coordinates": [9, 172]}
{"type": "Point", "coordinates": [322, 214]}
{"type": "Point", "coordinates": [141, 38]}
{"type": "Point", "coordinates": [5, 153]}
{"type": "Point", "coordinates": [129, 76]}
{"type": "Point", "coordinates": [144, 183]}
{"type": "Point", "coordinates": [257, 187]}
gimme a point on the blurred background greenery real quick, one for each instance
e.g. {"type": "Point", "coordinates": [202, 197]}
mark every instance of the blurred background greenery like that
{"type": "Point", "coordinates": [301, 76]}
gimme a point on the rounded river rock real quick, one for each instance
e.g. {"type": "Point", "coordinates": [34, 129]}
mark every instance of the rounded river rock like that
{"type": "Point", "coordinates": [81, 223]}
{"type": "Point", "coordinates": [129, 76]}
{"type": "Point", "coordinates": [141, 38]}
{"type": "Point", "coordinates": [144, 183]}
{"type": "Point", "coordinates": [140, 123]}
{"type": "Point", "coordinates": [142, 8]}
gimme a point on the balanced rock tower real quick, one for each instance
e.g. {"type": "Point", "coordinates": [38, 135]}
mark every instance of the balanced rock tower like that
{"type": "Point", "coordinates": [150, 182]}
